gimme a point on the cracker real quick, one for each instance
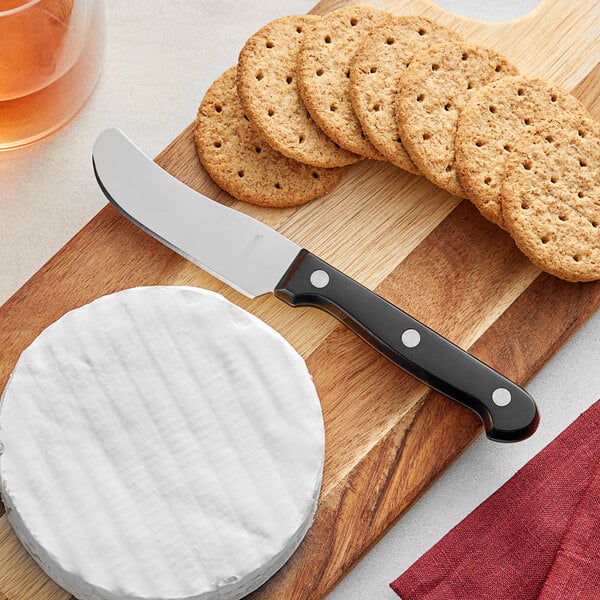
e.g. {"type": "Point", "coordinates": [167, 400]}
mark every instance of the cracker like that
{"type": "Point", "coordinates": [241, 163]}
{"type": "Point", "coordinates": [551, 197]}
{"type": "Point", "coordinates": [324, 74]}
{"type": "Point", "coordinates": [268, 92]}
{"type": "Point", "coordinates": [374, 72]}
{"type": "Point", "coordinates": [495, 116]}
{"type": "Point", "coordinates": [431, 93]}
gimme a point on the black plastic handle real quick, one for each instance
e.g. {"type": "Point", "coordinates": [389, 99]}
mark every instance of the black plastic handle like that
{"type": "Point", "coordinates": [507, 410]}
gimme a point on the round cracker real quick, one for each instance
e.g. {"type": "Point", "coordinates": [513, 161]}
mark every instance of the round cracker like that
{"type": "Point", "coordinates": [268, 92]}
{"type": "Point", "coordinates": [495, 116]}
{"type": "Point", "coordinates": [241, 163]}
{"type": "Point", "coordinates": [324, 74]}
{"type": "Point", "coordinates": [374, 73]}
{"type": "Point", "coordinates": [551, 197]}
{"type": "Point", "coordinates": [431, 93]}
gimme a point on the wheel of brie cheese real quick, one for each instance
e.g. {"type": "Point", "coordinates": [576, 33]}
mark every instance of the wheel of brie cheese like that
{"type": "Point", "coordinates": [160, 443]}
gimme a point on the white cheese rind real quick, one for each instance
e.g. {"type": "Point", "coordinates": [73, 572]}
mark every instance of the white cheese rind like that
{"type": "Point", "coordinates": [160, 444]}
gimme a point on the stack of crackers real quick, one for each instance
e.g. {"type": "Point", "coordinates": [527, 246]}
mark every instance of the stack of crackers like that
{"type": "Point", "coordinates": [311, 95]}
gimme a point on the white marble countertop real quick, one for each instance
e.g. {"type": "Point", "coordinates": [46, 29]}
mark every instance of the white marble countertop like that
{"type": "Point", "coordinates": [161, 57]}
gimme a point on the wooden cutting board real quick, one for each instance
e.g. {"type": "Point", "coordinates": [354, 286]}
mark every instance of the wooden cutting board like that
{"type": "Point", "coordinates": [388, 436]}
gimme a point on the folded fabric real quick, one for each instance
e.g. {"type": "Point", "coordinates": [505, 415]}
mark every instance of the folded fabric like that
{"type": "Point", "coordinates": [537, 537]}
{"type": "Point", "coordinates": [575, 572]}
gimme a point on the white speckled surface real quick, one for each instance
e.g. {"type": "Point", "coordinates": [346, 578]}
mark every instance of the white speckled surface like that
{"type": "Point", "coordinates": [161, 57]}
{"type": "Point", "coordinates": [161, 443]}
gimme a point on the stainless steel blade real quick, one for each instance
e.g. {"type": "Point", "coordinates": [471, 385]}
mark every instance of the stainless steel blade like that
{"type": "Point", "coordinates": [237, 249]}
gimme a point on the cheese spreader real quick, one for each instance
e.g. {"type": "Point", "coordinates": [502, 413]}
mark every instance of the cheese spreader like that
{"type": "Point", "coordinates": [255, 259]}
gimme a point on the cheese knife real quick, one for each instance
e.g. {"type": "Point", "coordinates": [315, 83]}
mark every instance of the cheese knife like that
{"type": "Point", "coordinates": [255, 259]}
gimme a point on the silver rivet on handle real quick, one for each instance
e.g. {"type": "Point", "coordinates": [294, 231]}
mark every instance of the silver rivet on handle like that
{"type": "Point", "coordinates": [319, 278]}
{"type": "Point", "coordinates": [501, 397]}
{"type": "Point", "coordinates": [411, 338]}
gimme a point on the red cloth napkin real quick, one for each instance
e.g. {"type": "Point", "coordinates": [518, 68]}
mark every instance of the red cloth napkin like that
{"type": "Point", "coordinates": [537, 537]}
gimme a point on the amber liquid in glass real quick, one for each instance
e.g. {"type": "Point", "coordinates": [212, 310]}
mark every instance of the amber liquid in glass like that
{"type": "Point", "coordinates": [49, 64]}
